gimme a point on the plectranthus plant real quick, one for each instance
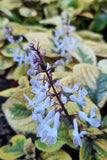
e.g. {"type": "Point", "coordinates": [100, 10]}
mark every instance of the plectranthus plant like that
{"type": "Point", "coordinates": [50, 100]}
{"type": "Point", "coordinates": [22, 53]}
{"type": "Point", "coordinates": [64, 41]}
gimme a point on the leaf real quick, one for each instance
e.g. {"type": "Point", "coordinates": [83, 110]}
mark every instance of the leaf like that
{"type": "Point", "coordinates": [7, 50]}
{"type": "Point", "coordinates": [100, 22]}
{"type": "Point", "coordinates": [45, 148]}
{"type": "Point", "coordinates": [104, 122]}
{"type": "Point", "coordinates": [89, 35]}
{"type": "Point", "coordinates": [60, 75]}
{"type": "Point", "coordinates": [85, 54]}
{"type": "Point", "coordinates": [27, 12]}
{"type": "Point", "coordinates": [21, 124]}
{"type": "Point", "coordinates": [100, 146]}
{"type": "Point", "coordinates": [89, 76]}
{"type": "Point", "coordinates": [94, 131]}
{"type": "Point", "coordinates": [5, 62]}
{"type": "Point", "coordinates": [86, 74]}
{"type": "Point", "coordinates": [100, 91]}
{"type": "Point", "coordinates": [86, 151]}
{"type": "Point", "coordinates": [45, 43]}
{"type": "Point", "coordinates": [59, 155]}
{"type": "Point", "coordinates": [29, 149]}
{"type": "Point", "coordinates": [103, 65]}
{"type": "Point", "coordinates": [20, 110]}
{"type": "Point", "coordinates": [63, 135]}
{"type": "Point", "coordinates": [56, 20]}
{"type": "Point", "coordinates": [10, 4]}
{"type": "Point", "coordinates": [11, 15]}
{"type": "Point", "coordinates": [100, 49]}
{"type": "Point", "coordinates": [16, 150]}
{"type": "Point", "coordinates": [3, 21]}
{"type": "Point", "coordinates": [87, 15]}
{"type": "Point", "coordinates": [19, 71]}
{"type": "Point", "coordinates": [9, 92]}
{"type": "Point", "coordinates": [23, 82]}
{"type": "Point", "coordinates": [73, 109]}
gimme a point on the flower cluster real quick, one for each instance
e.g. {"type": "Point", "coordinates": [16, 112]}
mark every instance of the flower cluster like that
{"type": "Point", "coordinates": [21, 54]}
{"type": "Point", "coordinates": [49, 119]}
{"type": "Point", "coordinates": [64, 42]}
{"type": "Point", "coordinates": [48, 124]}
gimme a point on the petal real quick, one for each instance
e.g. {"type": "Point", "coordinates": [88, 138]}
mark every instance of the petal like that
{"type": "Point", "coordinates": [64, 99]}
{"type": "Point", "coordinates": [73, 98]}
{"type": "Point", "coordinates": [67, 90]}
{"type": "Point", "coordinates": [50, 115]}
{"type": "Point", "coordinates": [56, 120]}
{"type": "Point", "coordinates": [83, 116]}
{"type": "Point", "coordinates": [95, 122]}
{"type": "Point", "coordinates": [37, 117]}
{"type": "Point", "coordinates": [77, 141]}
{"type": "Point", "coordinates": [83, 133]}
{"type": "Point", "coordinates": [82, 92]}
{"type": "Point", "coordinates": [93, 112]}
{"type": "Point", "coordinates": [75, 132]}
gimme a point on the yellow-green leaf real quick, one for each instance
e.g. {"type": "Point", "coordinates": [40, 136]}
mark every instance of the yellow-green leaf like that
{"type": "Point", "coordinates": [10, 4]}
{"type": "Point", "coordinates": [94, 131]}
{"type": "Point", "coordinates": [9, 152]}
{"type": "Point", "coordinates": [3, 21]}
{"type": "Point", "coordinates": [27, 12]}
{"type": "Point", "coordinates": [19, 71]}
{"type": "Point", "coordinates": [85, 54]}
{"type": "Point", "coordinates": [23, 82]}
{"type": "Point", "coordinates": [23, 124]}
{"type": "Point", "coordinates": [5, 62]}
{"type": "Point", "coordinates": [100, 146]}
{"type": "Point", "coordinates": [7, 50]}
{"type": "Point", "coordinates": [9, 92]}
{"type": "Point", "coordinates": [89, 35]}
{"type": "Point", "coordinates": [45, 148]}
{"type": "Point", "coordinates": [59, 155]}
{"type": "Point", "coordinates": [29, 149]}
{"type": "Point", "coordinates": [103, 65]}
{"type": "Point", "coordinates": [85, 152]}
{"type": "Point", "coordinates": [45, 43]}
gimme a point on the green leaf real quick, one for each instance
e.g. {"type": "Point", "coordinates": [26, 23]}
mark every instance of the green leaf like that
{"type": "Point", "coordinates": [85, 151]}
{"type": "Point", "coordinates": [97, 94]}
{"type": "Point", "coordinates": [16, 150]}
{"type": "Point", "coordinates": [45, 148]}
{"type": "Point", "coordinates": [7, 50]}
{"type": "Point", "coordinates": [100, 146]}
{"type": "Point", "coordinates": [84, 58]}
{"type": "Point", "coordinates": [104, 122]}
{"type": "Point", "coordinates": [20, 110]}
{"type": "Point", "coordinates": [100, 23]}
{"type": "Point", "coordinates": [63, 135]}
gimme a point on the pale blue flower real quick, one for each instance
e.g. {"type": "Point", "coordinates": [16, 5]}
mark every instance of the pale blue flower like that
{"type": "Point", "coordinates": [92, 120]}
{"type": "Point", "coordinates": [77, 136]}
{"type": "Point", "coordinates": [73, 90]}
{"type": "Point", "coordinates": [57, 84]}
{"type": "Point", "coordinates": [79, 100]}
{"type": "Point", "coordinates": [48, 133]}
{"type": "Point", "coordinates": [63, 99]}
